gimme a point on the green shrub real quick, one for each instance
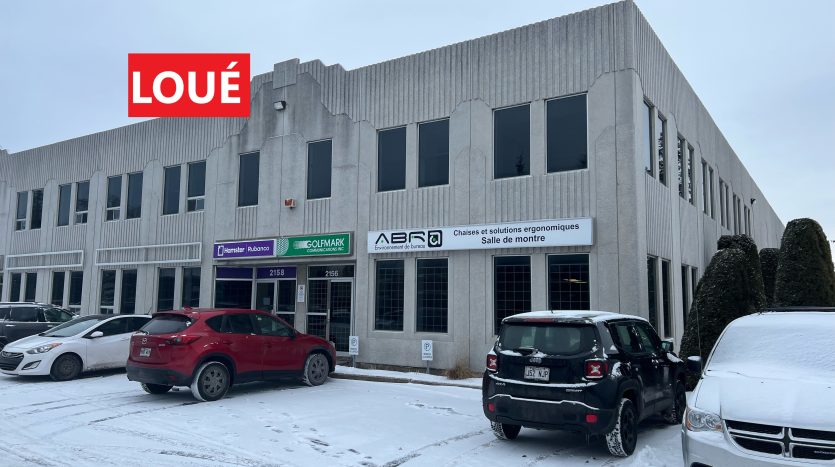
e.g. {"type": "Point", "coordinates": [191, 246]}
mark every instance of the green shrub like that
{"type": "Point", "coordinates": [805, 276]}
{"type": "Point", "coordinates": [768, 261]}
{"type": "Point", "coordinates": [747, 245]}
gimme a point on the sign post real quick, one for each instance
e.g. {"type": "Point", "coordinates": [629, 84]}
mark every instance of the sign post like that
{"type": "Point", "coordinates": [426, 352]}
{"type": "Point", "coordinates": [353, 349]}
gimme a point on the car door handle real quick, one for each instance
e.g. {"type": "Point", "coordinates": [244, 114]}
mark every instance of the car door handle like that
{"type": "Point", "coordinates": [10, 325]}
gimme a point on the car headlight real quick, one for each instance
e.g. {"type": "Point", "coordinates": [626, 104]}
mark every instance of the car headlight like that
{"type": "Point", "coordinates": [43, 348]}
{"type": "Point", "coordinates": [699, 420]}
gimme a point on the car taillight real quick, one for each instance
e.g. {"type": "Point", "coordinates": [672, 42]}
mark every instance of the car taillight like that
{"type": "Point", "coordinates": [596, 369]}
{"type": "Point", "coordinates": [492, 362]}
{"type": "Point", "coordinates": [182, 340]}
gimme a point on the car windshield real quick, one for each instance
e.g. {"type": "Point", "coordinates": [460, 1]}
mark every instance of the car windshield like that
{"type": "Point", "coordinates": [789, 345]}
{"type": "Point", "coordinates": [548, 338]}
{"type": "Point", "coordinates": [166, 324]}
{"type": "Point", "coordinates": [76, 326]}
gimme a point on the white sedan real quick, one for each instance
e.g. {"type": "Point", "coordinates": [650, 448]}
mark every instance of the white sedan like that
{"type": "Point", "coordinates": [87, 343]}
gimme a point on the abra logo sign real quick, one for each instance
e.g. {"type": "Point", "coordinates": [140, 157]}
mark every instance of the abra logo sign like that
{"type": "Point", "coordinates": [414, 238]}
{"type": "Point", "coordinates": [188, 85]}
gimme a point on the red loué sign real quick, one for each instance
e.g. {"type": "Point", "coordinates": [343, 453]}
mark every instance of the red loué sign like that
{"type": "Point", "coordinates": [188, 85]}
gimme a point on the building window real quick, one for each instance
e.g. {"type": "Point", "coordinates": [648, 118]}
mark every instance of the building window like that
{"type": "Point", "coordinates": [388, 314]}
{"type": "Point", "coordinates": [134, 207]}
{"type": "Point", "coordinates": [17, 283]}
{"type": "Point", "coordinates": [433, 153]}
{"type": "Point", "coordinates": [76, 289]}
{"type": "Point", "coordinates": [691, 196]}
{"type": "Point", "coordinates": [22, 210]}
{"type": "Point", "coordinates": [31, 286]}
{"type": "Point", "coordinates": [727, 207]}
{"type": "Point", "coordinates": [432, 295]}
{"type": "Point", "coordinates": [165, 290]}
{"type": "Point", "coordinates": [512, 142]}
{"type": "Point", "coordinates": [82, 201]}
{"type": "Point", "coordinates": [285, 306]}
{"type": "Point", "coordinates": [127, 302]}
{"type": "Point", "coordinates": [114, 198]}
{"type": "Point", "coordinates": [191, 287]}
{"type": "Point", "coordinates": [171, 190]}
{"type": "Point", "coordinates": [721, 202]}
{"type": "Point", "coordinates": [196, 196]}
{"type": "Point", "coordinates": [710, 185]}
{"type": "Point", "coordinates": [37, 209]}
{"type": "Point", "coordinates": [511, 287]}
{"type": "Point", "coordinates": [57, 297]}
{"type": "Point", "coordinates": [649, 152]}
{"type": "Point", "coordinates": [566, 134]}
{"type": "Point", "coordinates": [233, 294]}
{"type": "Point", "coordinates": [568, 282]}
{"type": "Point", "coordinates": [685, 293]}
{"type": "Point", "coordinates": [661, 146]}
{"type": "Point", "coordinates": [107, 303]}
{"type": "Point", "coordinates": [391, 159]}
{"type": "Point", "coordinates": [248, 177]}
{"type": "Point", "coordinates": [64, 194]}
{"type": "Point", "coordinates": [694, 281]}
{"type": "Point", "coordinates": [681, 168]}
{"type": "Point", "coordinates": [665, 298]}
{"type": "Point", "coordinates": [319, 167]}
{"type": "Point", "coordinates": [652, 290]}
{"type": "Point", "coordinates": [735, 205]}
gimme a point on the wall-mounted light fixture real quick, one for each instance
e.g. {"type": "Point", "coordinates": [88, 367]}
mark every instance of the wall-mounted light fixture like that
{"type": "Point", "coordinates": [279, 105]}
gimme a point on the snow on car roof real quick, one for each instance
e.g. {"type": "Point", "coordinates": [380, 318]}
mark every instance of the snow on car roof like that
{"type": "Point", "coordinates": [585, 315]}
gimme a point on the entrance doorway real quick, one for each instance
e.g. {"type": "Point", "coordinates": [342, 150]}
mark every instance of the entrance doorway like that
{"type": "Point", "coordinates": [330, 303]}
{"type": "Point", "coordinates": [277, 296]}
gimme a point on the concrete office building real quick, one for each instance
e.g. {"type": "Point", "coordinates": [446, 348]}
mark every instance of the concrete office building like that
{"type": "Point", "coordinates": [564, 164]}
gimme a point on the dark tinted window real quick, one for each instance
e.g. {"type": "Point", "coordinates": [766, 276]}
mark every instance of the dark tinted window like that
{"type": "Point", "coordinates": [512, 142]}
{"type": "Point", "coordinates": [197, 179]}
{"type": "Point", "coordinates": [665, 298]}
{"type": "Point", "coordinates": [272, 327]}
{"type": "Point", "coordinates": [652, 289]}
{"type": "Point", "coordinates": [650, 341]}
{"type": "Point", "coordinates": [239, 324]}
{"type": "Point", "coordinates": [167, 324]}
{"type": "Point", "coordinates": [108, 288]}
{"type": "Point", "coordinates": [74, 327]}
{"type": "Point", "coordinates": [391, 159]}
{"type": "Point", "coordinates": [22, 314]}
{"type": "Point", "coordinates": [4, 313]}
{"type": "Point", "coordinates": [22, 207]}
{"type": "Point", "coordinates": [233, 294]}
{"type": "Point", "coordinates": [17, 281]}
{"type": "Point", "coordinates": [57, 288]}
{"type": "Point", "coordinates": [31, 286]}
{"type": "Point", "coordinates": [165, 291]}
{"type": "Point", "coordinates": [681, 166]}
{"type": "Point", "coordinates": [114, 327]}
{"type": "Point", "coordinates": [114, 192]}
{"type": "Point", "coordinates": [550, 339]}
{"type": "Point", "coordinates": [511, 287]}
{"type": "Point", "coordinates": [135, 323]}
{"type": "Point", "coordinates": [82, 196]}
{"type": "Point", "coordinates": [215, 323]}
{"type": "Point", "coordinates": [661, 145]}
{"type": "Point", "coordinates": [626, 338]}
{"type": "Point", "coordinates": [191, 287]}
{"type": "Point", "coordinates": [171, 190]}
{"type": "Point", "coordinates": [649, 159]}
{"type": "Point", "coordinates": [64, 193]}
{"type": "Point", "coordinates": [568, 282]}
{"type": "Point", "coordinates": [433, 153]}
{"type": "Point", "coordinates": [319, 160]}
{"type": "Point", "coordinates": [566, 133]}
{"type": "Point", "coordinates": [37, 209]}
{"type": "Point", "coordinates": [134, 208]}
{"type": "Point", "coordinates": [76, 284]}
{"type": "Point", "coordinates": [388, 315]}
{"type": "Point", "coordinates": [127, 302]}
{"type": "Point", "coordinates": [432, 295]}
{"type": "Point", "coordinates": [248, 174]}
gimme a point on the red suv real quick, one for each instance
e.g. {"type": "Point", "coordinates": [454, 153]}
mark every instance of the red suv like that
{"type": "Point", "coordinates": [211, 349]}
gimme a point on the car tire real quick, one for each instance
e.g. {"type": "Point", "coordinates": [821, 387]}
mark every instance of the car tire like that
{"type": "Point", "coordinates": [211, 382]}
{"type": "Point", "coordinates": [65, 367]}
{"type": "Point", "coordinates": [505, 431]}
{"type": "Point", "coordinates": [155, 388]}
{"type": "Point", "coordinates": [316, 369]}
{"type": "Point", "coordinates": [674, 414]}
{"type": "Point", "coordinates": [621, 440]}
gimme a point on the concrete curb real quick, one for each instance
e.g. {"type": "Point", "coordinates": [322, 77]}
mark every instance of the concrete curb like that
{"type": "Point", "coordinates": [392, 379]}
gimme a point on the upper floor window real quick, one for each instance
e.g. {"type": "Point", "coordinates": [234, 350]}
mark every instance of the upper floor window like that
{"type": "Point", "coordinates": [196, 196]}
{"type": "Point", "coordinates": [705, 180]}
{"type": "Point", "coordinates": [567, 138]}
{"type": "Point", "coordinates": [710, 186]}
{"type": "Point", "coordinates": [171, 190]}
{"type": "Point", "coordinates": [721, 202]}
{"type": "Point", "coordinates": [691, 197]}
{"type": "Point", "coordinates": [37, 209]}
{"type": "Point", "coordinates": [248, 176]}
{"type": "Point", "coordinates": [391, 159]}
{"type": "Point", "coordinates": [114, 198]}
{"type": "Point", "coordinates": [134, 207]}
{"type": "Point", "coordinates": [649, 152]}
{"type": "Point", "coordinates": [64, 195]}
{"type": "Point", "coordinates": [681, 166]}
{"type": "Point", "coordinates": [661, 147]}
{"type": "Point", "coordinates": [319, 163]}
{"type": "Point", "coordinates": [433, 153]}
{"type": "Point", "coordinates": [512, 142]}
{"type": "Point", "coordinates": [82, 201]}
{"type": "Point", "coordinates": [22, 210]}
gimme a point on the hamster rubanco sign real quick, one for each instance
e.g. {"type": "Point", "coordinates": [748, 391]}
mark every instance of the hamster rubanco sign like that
{"type": "Point", "coordinates": [188, 85]}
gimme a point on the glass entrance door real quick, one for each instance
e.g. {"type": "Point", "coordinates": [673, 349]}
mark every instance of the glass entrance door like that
{"type": "Point", "coordinates": [278, 297]}
{"type": "Point", "coordinates": [329, 309]}
{"type": "Point", "coordinates": [265, 296]}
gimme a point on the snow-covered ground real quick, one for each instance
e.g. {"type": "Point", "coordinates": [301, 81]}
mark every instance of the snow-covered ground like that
{"type": "Point", "coordinates": [104, 419]}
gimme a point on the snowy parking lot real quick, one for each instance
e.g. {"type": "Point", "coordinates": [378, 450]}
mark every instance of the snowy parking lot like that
{"type": "Point", "coordinates": [104, 419]}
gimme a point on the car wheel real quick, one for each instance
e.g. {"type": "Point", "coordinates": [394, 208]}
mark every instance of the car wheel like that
{"type": "Point", "coordinates": [622, 439]}
{"type": "Point", "coordinates": [211, 382]}
{"type": "Point", "coordinates": [505, 431]}
{"type": "Point", "coordinates": [674, 414]}
{"type": "Point", "coordinates": [156, 388]}
{"type": "Point", "coordinates": [65, 367]}
{"type": "Point", "coordinates": [316, 369]}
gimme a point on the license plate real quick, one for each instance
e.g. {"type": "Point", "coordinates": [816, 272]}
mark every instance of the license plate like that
{"type": "Point", "coordinates": [145, 352]}
{"type": "Point", "coordinates": [537, 373]}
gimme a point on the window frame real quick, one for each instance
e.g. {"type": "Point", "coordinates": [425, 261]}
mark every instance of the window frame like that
{"type": "Point", "coordinates": [649, 137]}
{"type": "Point", "coordinates": [69, 206]}
{"type": "Point", "coordinates": [309, 172]}
{"type": "Point", "coordinates": [135, 211]}
{"type": "Point", "coordinates": [392, 300]}
{"type": "Point", "coordinates": [257, 155]}
{"type": "Point", "coordinates": [165, 194]}
{"type": "Point", "coordinates": [81, 215]}
{"type": "Point", "coordinates": [425, 329]}
{"type": "Point", "coordinates": [496, 322]}
{"type": "Point", "coordinates": [549, 291]}
{"type": "Point", "coordinates": [548, 169]}
{"type": "Point", "coordinates": [380, 132]}
{"type": "Point", "coordinates": [662, 154]}
{"type": "Point", "coordinates": [21, 223]}
{"type": "Point", "coordinates": [420, 184]}
{"type": "Point", "coordinates": [113, 213]}
{"type": "Point", "coordinates": [528, 139]}
{"type": "Point", "coordinates": [198, 201]}
{"type": "Point", "coordinates": [33, 210]}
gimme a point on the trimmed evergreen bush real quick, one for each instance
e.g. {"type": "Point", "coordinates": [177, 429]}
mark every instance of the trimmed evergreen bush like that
{"type": "Point", "coordinates": [805, 276]}
{"type": "Point", "coordinates": [747, 245]}
{"type": "Point", "coordinates": [723, 294]}
{"type": "Point", "coordinates": [768, 261]}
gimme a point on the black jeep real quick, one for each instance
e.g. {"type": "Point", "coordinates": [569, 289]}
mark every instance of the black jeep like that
{"type": "Point", "coordinates": [594, 372]}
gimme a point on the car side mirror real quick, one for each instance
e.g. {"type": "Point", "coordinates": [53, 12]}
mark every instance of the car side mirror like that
{"type": "Point", "coordinates": [694, 364]}
{"type": "Point", "coordinates": [667, 345]}
{"type": "Point", "coordinates": [96, 334]}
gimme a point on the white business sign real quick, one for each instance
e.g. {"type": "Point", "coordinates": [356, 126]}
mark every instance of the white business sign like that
{"type": "Point", "coordinates": [542, 233]}
{"type": "Point", "coordinates": [300, 293]}
{"type": "Point", "coordinates": [353, 345]}
{"type": "Point", "coordinates": [426, 350]}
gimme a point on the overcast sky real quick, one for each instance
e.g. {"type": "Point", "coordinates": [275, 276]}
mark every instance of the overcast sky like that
{"type": "Point", "coordinates": [764, 69]}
